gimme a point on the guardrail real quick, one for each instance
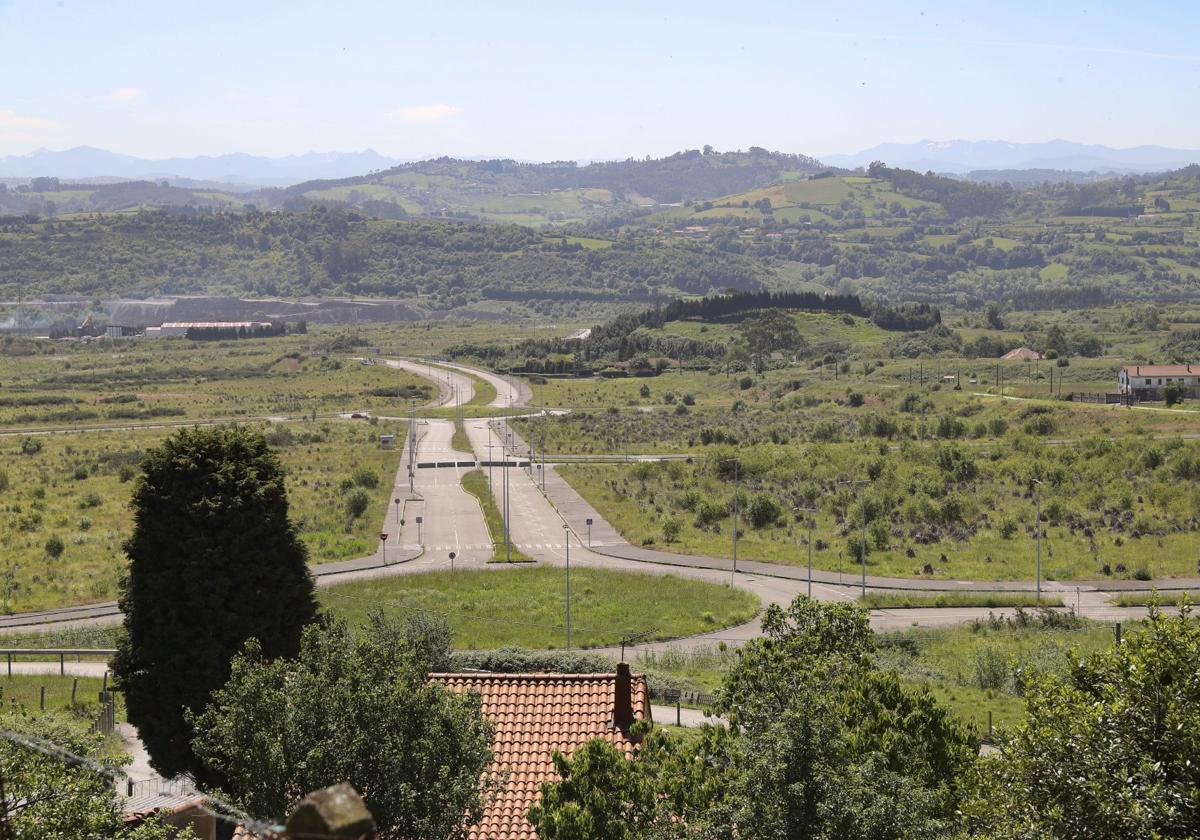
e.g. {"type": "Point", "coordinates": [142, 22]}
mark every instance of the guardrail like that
{"type": "Point", "coordinates": [61, 653]}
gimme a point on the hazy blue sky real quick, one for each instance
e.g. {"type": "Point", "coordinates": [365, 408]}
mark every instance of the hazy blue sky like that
{"type": "Point", "coordinates": [591, 80]}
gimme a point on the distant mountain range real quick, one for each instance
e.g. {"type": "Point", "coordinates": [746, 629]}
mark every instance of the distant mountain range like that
{"type": "Point", "coordinates": [962, 156]}
{"type": "Point", "coordinates": [237, 168]}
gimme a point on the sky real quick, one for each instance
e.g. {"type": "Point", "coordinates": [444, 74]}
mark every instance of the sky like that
{"type": "Point", "coordinates": [582, 81]}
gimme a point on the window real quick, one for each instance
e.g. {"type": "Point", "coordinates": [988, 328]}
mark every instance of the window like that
{"type": "Point", "coordinates": [1147, 381]}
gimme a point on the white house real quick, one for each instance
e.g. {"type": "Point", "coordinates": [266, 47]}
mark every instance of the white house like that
{"type": "Point", "coordinates": [1146, 381]}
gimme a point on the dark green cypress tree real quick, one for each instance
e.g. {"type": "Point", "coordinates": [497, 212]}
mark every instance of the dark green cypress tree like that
{"type": "Point", "coordinates": [213, 561]}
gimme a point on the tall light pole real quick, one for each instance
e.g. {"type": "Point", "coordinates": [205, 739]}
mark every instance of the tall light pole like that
{"type": "Point", "coordinates": [811, 523]}
{"type": "Point", "coordinates": [567, 534]}
{"type": "Point", "coordinates": [1037, 524]}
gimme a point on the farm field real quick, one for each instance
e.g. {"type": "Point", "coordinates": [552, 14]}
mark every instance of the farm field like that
{"type": "Point", "coordinates": [494, 608]}
{"type": "Point", "coordinates": [172, 380]}
{"type": "Point", "coordinates": [66, 500]}
{"type": "Point", "coordinates": [951, 485]}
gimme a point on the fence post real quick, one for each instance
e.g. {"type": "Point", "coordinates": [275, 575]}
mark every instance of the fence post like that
{"type": "Point", "coordinates": [1117, 628]}
{"type": "Point", "coordinates": [10, 665]}
{"type": "Point", "coordinates": [62, 664]}
{"type": "Point", "coordinates": [43, 700]}
{"type": "Point", "coordinates": [989, 724]}
{"type": "Point", "coordinates": [678, 712]}
{"type": "Point", "coordinates": [74, 685]}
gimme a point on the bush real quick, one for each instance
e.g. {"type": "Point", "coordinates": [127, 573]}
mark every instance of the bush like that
{"type": "Point", "coordinates": [644, 390]}
{"type": "Point", "coordinates": [681, 409]}
{"type": "Point", "coordinates": [31, 446]}
{"type": "Point", "coordinates": [365, 477]}
{"type": "Point", "coordinates": [1040, 424]}
{"type": "Point", "coordinates": [91, 500]}
{"type": "Point", "coordinates": [689, 399]}
{"type": "Point", "coordinates": [1008, 528]}
{"type": "Point", "coordinates": [991, 669]}
{"type": "Point", "coordinates": [671, 530]}
{"type": "Point", "coordinates": [54, 547]}
{"type": "Point", "coordinates": [763, 511]}
{"type": "Point", "coordinates": [746, 383]}
{"type": "Point", "coordinates": [357, 503]}
{"type": "Point", "coordinates": [854, 399]}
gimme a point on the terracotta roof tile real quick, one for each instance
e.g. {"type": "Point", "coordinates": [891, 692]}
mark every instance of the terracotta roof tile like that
{"type": "Point", "coordinates": [534, 715]}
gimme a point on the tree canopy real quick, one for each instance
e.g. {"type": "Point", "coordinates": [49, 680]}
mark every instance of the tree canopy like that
{"type": "Point", "coordinates": [359, 710]}
{"type": "Point", "coordinates": [213, 561]}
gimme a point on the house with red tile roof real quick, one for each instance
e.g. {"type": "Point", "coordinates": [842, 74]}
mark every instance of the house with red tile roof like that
{"type": "Point", "coordinates": [1021, 354]}
{"type": "Point", "coordinates": [535, 715]}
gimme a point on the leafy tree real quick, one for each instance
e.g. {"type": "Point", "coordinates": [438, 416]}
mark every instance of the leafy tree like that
{"type": "Point", "coordinates": [213, 561]}
{"type": "Point", "coordinates": [675, 788]}
{"type": "Point", "coordinates": [829, 746]}
{"type": "Point", "coordinates": [1173, 394]}
{"type": "Point", "coordinates": [821, 744]}
{"type": "Point", "coordinates": [351, 709]}
{"type": "Point", "coordinates": [48, 799]}
{"type": "Point", "coordinates": [771, 330]}
{"type": "Point", "coordinates": [1109, 750]}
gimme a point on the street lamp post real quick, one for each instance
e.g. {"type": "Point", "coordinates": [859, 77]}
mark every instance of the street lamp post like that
{"type": "Point", "coordinates": [567, 540]}
{"type": "Point", "coordinates": [811, 524]}
{"type": "Point", "coordinates": [419, 521]}
{"type": "Point", "coordinates": [1037, 524]}
{"type": "Point", "coordinates": [398, 522]}
{"type": "Point", "coordinates": [383, 547]}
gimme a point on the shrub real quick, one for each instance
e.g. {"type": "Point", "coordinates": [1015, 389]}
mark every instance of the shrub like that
{"type": "Point", "coordinates": [689, 399]}
{"type": "Point", "coordinates": [763, 511]}
{"type": "Point", "coordinates": [644, 390]}
{"type": "Point", "coordinates": [671, 530]}
{"type": "Point", "coordinates": [708, 512]}
{"type": "Point", "coordinates": [688, 500]}
{"type": "Point", "coordinates": [365, 477]}
{"type": "Point", "coordinates": [91, 500]}
{"type": "Point", "coordinates": [681, 409]}
{"type": "Point", "coordinates": [356, 504]}
{"type": "Point", "coordinates": [54, 547]}
{"type": "Point", "coordinates": [854, 399]}
{"type": "Point", "coordinates": [31, 446]}
{"type": "Point", "coordinates": [1008, 528]}
{"type": "Point", "coordinates": [746, 383]}
{"type": "Point", "coordinates": [669, 398]}
{"type": "Point", "coordinates": [1040, 424]}
{"type": "Point", "coordinates": [125, 473]}
{"type": "Point", "coordinates": [991, 669]}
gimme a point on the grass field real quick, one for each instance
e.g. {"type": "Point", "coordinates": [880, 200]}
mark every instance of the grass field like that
{"type": "Point", "coordinates": [23, 693]}
{"type": "Point", "coordinates": [170, 380]}
{"type": "Point", "coordinates": [525, 607]}
{"type": "Point", "coordinates": [475, 482]}
{"type": "Point", "coordinates": [1145, 599]}
{"type": "Point", "coordinates": [66, 502]}
{"type": "Point", "coordinates": [993, 600]}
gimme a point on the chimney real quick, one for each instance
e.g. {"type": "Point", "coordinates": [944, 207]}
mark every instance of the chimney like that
{"type": "Point", "coordinates": [623, 699]}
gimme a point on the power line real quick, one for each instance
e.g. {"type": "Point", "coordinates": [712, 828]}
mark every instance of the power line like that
{"type": "Point", "coordinates": [231, 815]}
